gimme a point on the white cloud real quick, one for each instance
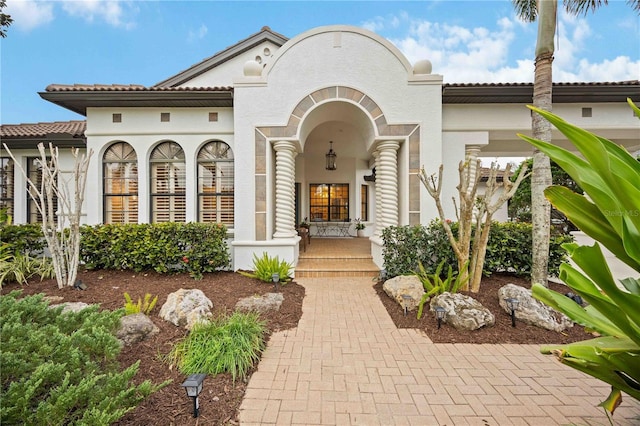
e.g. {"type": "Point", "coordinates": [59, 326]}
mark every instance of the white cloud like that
{"type": "Point", "coordinates": [489, 55]}
{"type": "Point", "coordinates": [113, 12]}
{"type": "Point", "coordinates": [28, 15]}
{"type": "Point", "coordinates": [198, 34]}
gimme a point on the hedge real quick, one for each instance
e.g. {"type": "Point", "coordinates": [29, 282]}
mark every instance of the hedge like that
{"type": "Point", "coordinates": [509, 249]}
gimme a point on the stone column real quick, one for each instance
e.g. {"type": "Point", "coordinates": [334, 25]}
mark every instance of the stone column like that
{"type": "Point", "coordinates": [377, 214]}
{"type": "Point", "coordinates": [471, 155]}
{"type": "Point", "coordinates": [285, 189]}
{"type": "Point", "coordinates": [387, 177]}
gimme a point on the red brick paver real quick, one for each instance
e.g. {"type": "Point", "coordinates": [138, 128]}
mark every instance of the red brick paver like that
{"type": "Point", "coordinates": [347, 364]}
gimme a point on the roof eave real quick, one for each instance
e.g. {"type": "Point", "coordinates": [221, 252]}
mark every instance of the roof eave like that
{"type": "Point", "coordinates": [79, 101]}
{"type": "Point", "coordinates": [58, 140]}
{"type": "Point", "coordinates": [522, 94]}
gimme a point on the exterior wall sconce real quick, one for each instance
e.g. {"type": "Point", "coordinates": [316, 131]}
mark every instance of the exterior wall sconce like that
{"type": "Point", "coordinates": [275, 277]}
{"type": "Point", "coordinates": [405, 303]}
{"type": "Point", "coordinates": [512, 303]}
{"type": "Point", "coordinates": [330, 158]}
{"type": "Point", "coordinates": [440, 313]}
{"type": "Point", "coordinates": [193, 386]}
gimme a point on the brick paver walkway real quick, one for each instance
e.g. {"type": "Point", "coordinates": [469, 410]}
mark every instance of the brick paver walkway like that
{"type": "Point", "coordinates": [347, 364]}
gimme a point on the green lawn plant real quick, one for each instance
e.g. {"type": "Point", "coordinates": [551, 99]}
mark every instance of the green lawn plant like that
{"type": "Point", "coordinates": [265, 266]}
{"type": "Point", "coordinates": [62, 368]}
{"type": "Point", "coordinates": [144, 306]}
{"type": "Point", "coordinates": [609, 175]}
{"type": "Point", "coordinates": [434, 284]}
{"type": "Point", "coordinates": [227, 344]}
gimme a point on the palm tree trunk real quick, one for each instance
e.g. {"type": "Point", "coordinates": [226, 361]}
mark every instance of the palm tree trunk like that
{"type": "Point", "coordinates": [541, 175]}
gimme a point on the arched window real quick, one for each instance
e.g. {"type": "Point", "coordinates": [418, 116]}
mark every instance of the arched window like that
{"type": "Point", "coordinates": [168, 183]}
{"type": "Point", "coordinates": [120, 184]}
{"type": "Point", "coordinates": [215, 183]}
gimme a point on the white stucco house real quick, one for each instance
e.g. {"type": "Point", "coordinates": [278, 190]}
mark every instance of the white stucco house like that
{"type": "Point", "coordinates": [242, 138]}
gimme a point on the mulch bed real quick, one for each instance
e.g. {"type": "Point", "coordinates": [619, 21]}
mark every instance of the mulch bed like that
{"type": "Point", "coordinates": [501, 332]}
{"type": "Point", "coordinates": [221, 397]}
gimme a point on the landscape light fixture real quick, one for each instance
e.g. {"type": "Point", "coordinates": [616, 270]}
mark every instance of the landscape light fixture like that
{"type": "Point", "coordinates": [193, 386]}
{"type": "Point", "coordinates": [331, 158]}
{"type": "Point", "coordinates": [512, 303]}
{"type": "Point", "coordinates": [275, 277]}
{"type": "Point", "coordinates": [440, 313]}
{"type": "Point", "coordinates": [383, 275]}
{"type": "Point", "coordinates": [405, 303]}
{"type": "Point", "coordinates": [79, 285]}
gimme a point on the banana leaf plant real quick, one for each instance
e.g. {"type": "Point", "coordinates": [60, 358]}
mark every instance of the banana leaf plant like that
{"type": "Point", "coordinates": [610, 214]}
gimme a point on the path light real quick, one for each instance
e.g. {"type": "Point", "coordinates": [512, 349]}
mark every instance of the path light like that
{"type": "Point", "coordinates": [275, 277]}
{"type": "Point", "coordinates": [440, 313]}
{"type": "Point", "coordinates": [383, 275]}
{"type": "Point", "coordinates": [512, 303]}
{"type": "Point", "coordinates": [405, 303]}
{"type": "Point", "coordinates": [193, 386]}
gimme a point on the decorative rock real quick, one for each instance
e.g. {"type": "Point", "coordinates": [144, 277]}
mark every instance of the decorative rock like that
{"type": "Point", "coordinates": [71, 306]}
{"type": "Point", "coordinates": [135, 328]}
{"type": "Point", "coordinates": [53, 299]}
{"type": "Point", "coordinates": [261, 304]}
{"type": "Point", "coordinates": [463, 312]}
{"type": "Point", "coordinates": [408, 285]}
{"type": "Point", "coordinates": [532, 311]}
{"type": "Point", "coordinates": [184, 308]}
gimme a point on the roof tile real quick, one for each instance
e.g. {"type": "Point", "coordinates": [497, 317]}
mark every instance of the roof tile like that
{"type": "Point", "coordinates": [73, 128]}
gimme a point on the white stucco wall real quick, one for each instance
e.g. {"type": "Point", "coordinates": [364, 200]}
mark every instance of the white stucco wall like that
{"type": "Point", "coordinates": [225, 73]}
{"type": "Point", "coordinates": [143, 130]}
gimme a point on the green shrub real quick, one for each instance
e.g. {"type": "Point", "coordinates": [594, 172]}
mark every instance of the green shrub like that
{"type": "Point", "coordinates": [62, 368]}
{"type": "Point", "coordinates": [226, 345]}
{"type": "Point", "coordinates": [508, 249]}
{"type": "Point", "coordinates": [23, 239]}
{"type": "Point", "coordinates": [145, 306]}
{"type": "Point", "coordinates": [195, 248]}
{"type": "Point", "coordinates": [265, 266]}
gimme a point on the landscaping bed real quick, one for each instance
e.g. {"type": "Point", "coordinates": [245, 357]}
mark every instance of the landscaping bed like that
{"type": "Point", "coordinates": [221, 397]}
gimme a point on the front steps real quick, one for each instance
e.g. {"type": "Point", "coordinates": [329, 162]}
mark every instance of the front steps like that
{"type": "Point", "coordinates": [337, 258]}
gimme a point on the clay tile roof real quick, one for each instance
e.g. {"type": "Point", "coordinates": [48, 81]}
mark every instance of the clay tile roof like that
{"type": "Point", "coordinates": [130, 88]}
{"type": "Point", "coordinates": [42, 130]}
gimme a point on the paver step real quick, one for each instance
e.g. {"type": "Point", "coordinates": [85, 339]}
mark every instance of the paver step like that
{"type": "Point", "coordinates": [336, 267]}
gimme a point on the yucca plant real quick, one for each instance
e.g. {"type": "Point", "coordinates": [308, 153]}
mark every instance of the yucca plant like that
{"type": "Point", "coordinates": [265, 266]}
{"type": "Point", "coordinates": [434, 284]}
{"type": "Point", "coordinates": [610, 215]}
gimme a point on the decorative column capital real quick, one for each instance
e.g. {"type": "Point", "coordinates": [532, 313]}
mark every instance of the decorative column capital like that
{"type": "Point", "coordinates": [387, 145]}
{"type": "Point", "coordinates": [284, 145]}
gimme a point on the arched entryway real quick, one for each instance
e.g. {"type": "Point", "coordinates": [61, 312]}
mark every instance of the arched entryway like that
{"type": "Point", "coordinates": [363, 139]}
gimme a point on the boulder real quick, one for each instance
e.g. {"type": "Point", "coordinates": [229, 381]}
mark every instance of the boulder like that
{"type": "Point", "coordinates": [261, 304]}
{"type": "Point", "coordinates": [135, 328]}
{"type": "Point", "coordinates": [463, 312]}
{"type": "Point", "coordinates": [405, 285]}
{"type": "Point", "coordinates": [184, 308]}
{"type": "Point", "coordinates": [532, 311]}
{"type": "Point", "coordinates": [71, 306]}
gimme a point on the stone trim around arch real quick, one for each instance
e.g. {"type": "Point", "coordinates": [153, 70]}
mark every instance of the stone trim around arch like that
{"type": "Point", "coordinates": [410, 132]}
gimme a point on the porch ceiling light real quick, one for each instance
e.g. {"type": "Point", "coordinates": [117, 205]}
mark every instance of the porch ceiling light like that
{"type": "Point", "coordinates": [331, 158]}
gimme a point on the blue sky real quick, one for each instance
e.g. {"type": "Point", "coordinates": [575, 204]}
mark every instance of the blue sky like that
{"type": "Point", "coordinates": [144, 42]}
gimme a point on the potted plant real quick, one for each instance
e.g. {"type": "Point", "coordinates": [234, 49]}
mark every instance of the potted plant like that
{"type": "Point", "coordinates": [304, 224]}
{"type": "Point", "coordinates": [360, 227]}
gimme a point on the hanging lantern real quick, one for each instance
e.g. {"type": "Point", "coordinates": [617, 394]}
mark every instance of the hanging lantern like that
{"type": "Point", "coordinates": [331, 158]}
